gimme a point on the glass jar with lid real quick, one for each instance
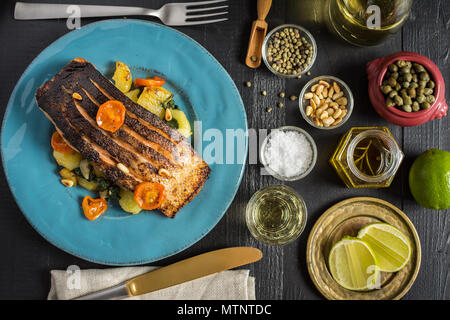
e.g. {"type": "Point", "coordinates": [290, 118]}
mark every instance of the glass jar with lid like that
{"type": "Point", "coordinates": [367, 157]}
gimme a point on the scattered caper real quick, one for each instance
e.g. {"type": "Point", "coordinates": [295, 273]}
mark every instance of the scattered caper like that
{"type": "Point", "coordinates": [248, 84]}
{"type": "Point", "coordinates": [293, 98]}
{"type": "Point", "coordinates": [269, 109]}
{"type": "Point", "coordinates": [280, 105]}
{"type": "Point", "coordinates": [282, 94]}
{"type": "Point", "coordinates": [264, 92]}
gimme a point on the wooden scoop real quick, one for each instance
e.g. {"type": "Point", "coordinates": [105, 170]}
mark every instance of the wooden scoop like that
{"type": "Point", "coordinates": [259, 30]}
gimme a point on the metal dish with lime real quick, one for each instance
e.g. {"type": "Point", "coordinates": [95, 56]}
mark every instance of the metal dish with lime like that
{"type": "Point", "coordinates": [350, 225]}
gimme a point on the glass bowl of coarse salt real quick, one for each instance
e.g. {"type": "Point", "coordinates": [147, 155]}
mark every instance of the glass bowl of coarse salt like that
{"type": "Point", "coordinates": [288, 153]}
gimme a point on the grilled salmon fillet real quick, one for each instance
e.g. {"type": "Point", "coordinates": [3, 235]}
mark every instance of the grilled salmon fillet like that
{"type": "Point", "coordinates": [149, 149]}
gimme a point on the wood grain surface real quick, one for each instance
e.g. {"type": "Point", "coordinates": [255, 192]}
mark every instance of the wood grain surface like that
{"type": "Point", "coordinates": [27, 258]}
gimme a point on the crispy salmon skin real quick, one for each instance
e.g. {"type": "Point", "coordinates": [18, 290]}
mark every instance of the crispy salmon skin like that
{"type": "Point", "coordinates": [146, 146]}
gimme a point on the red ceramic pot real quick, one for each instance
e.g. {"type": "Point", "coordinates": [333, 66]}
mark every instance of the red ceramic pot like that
{"type": "Point", "coordinates": [376, 70]}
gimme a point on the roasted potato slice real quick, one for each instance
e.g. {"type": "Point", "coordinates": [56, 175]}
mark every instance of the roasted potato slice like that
{"type": "Point", "coordinates": [153, 99]}
{"type": "Point", "coordinates": [89, 185]}
{"type": "Point", "coordinates": [127, 202]}
{"type": "Point", "coordinates": [69, 161]}
{"type": "Point", "coordinates": [133, 95]}
{"type": "Point", "coordinates": [122, 77]}
{"type": "Point", "coordinates": [69, 175]}
{"type": "Point", "coordinates": [184, 127]}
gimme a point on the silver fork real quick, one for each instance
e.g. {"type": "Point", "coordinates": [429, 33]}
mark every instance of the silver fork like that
{"type": "Point", "coordinates": [171, 14]}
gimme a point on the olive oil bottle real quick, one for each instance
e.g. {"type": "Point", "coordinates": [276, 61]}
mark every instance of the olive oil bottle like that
{"type": "Point", "coordinates": [367, 22]}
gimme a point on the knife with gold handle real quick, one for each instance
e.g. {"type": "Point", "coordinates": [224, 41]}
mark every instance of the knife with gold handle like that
{"type": "Point", "coordinates": [179, 272]}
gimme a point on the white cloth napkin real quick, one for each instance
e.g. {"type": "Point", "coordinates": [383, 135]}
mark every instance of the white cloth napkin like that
{"type": "Point", "coordinates": [225, 285]}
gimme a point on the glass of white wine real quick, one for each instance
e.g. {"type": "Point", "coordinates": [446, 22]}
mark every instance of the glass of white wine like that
{"type": "Point", "coordinates": [276, 215]}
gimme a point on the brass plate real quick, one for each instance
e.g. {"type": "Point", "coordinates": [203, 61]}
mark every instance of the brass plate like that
{"type": "Point", "coordinates": [347, 218]}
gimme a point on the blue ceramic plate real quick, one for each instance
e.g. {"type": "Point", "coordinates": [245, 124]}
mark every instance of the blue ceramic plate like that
{"type": "Point", "coordinates": [201, 87]}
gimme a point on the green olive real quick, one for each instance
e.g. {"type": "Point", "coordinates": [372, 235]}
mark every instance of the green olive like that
{"type": "Point", "coordinates": [398, 100]}
{"type": "Point", "coordinates": [405, 70]}
{"type": "Point", "coordinates": [412, 92]}
{"type": "Point", "coordinates": [392, 82]}
{"type": "Point", "coordinates": [425, 105]}
{"type": "Point", "coordinates": [392, 94]}
{"type": "Point", "coordinates": [392, 67]}
{"type": "Point", "coordinates": [430, 98]}
{"type": "Point", "coordinates": [423, 83]}
{"type": "Point", "coordinates": [427, 91]}
{"type": "Point", "coordinates": [408, 77]}
{"type": "Point", "coordinates": [418, 67]}
{"type": "Point", "coordinates": [390, 102]}
{"type": "Point", "coordinates": [421, 98]}
{"type": "Point", "coordinates": [386, 89]}
{"type": "Point", "coordinates": [407, 108]}
{"type": "Point", "coordinates": [424, 76]}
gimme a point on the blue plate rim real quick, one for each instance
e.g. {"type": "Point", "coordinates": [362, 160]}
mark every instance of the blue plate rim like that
{"type": "Point", "coordinates": [193, 241]}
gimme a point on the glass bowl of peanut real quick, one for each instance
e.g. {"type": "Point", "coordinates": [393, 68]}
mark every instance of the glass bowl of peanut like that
{"type": "Point", "coordinates": [326, 102]}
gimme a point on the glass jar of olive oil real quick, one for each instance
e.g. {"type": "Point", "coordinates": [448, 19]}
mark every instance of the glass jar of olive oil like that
{"type": "Point", "coordinates": [367, 22]}
{"type": "Point", "coordinates": [276, 215]}
{"type": "Point", "coordinates": [367, 157]}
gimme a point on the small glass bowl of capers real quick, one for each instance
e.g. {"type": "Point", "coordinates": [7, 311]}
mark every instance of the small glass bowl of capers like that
{"type": "Point", "coordinates": [289, 50]}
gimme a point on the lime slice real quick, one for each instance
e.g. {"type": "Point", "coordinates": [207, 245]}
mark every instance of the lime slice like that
{"type": "Point", "coordinates": [353, 264]}
{"type": "Point", "coordinates": [390, 246]}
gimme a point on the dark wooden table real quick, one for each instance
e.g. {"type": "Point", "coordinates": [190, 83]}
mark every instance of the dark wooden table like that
{"type": "Point", "coordinates": [26, 258]}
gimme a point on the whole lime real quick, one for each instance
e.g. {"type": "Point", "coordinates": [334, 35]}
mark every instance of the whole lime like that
{"type": "Point", "coordinates": [429, 179]}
